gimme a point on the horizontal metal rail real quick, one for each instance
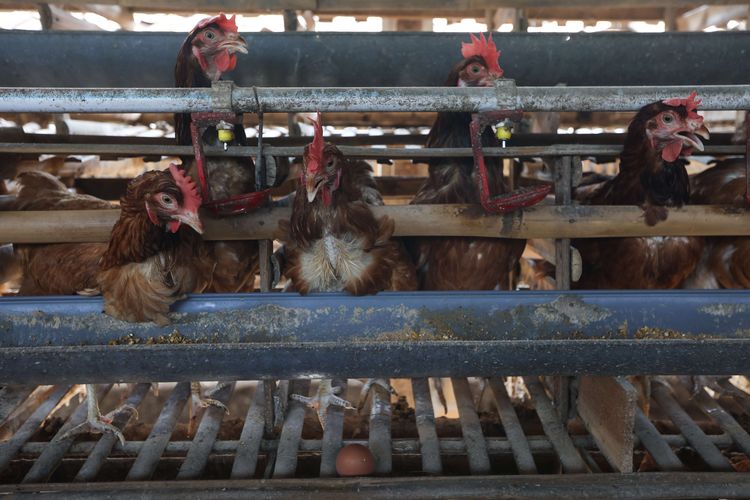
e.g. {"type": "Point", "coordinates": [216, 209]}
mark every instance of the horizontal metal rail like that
{"type": "Point", "coordinates": [650, 486]}
{"type": "Point", "coordinates": [349, 151]}
{"type": "Point", "coordinates": [505, 95]}
{"type": "Point", "coordinates": [397, 359]}
{"type": "Point", "coordinates": [545, 221]}
{"type": "Point", "coordinates": [447, 446]}
{"type": "Point", "coordinates": [67, 339]}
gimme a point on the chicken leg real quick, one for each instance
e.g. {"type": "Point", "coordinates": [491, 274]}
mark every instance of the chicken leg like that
{"type": "Point", "coordinates": [95, 421]}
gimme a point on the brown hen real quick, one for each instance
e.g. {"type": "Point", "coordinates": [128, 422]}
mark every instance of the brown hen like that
{"type": "Point", "coordinates": [58, 269]}
{"type": "Point", "coordinates": [152, 261]}
{"type": "Point", "coordinates": [208, 51]}
{"type": "Point", "coordinates": [726, 260]}
{"type": "Point", "coordinates": [463, 263]}
{"type": "Point", "coordinates": [333, 242]}
{"type": "Point", "coordinates": [653, 176]}
{"type": "Point", "coordinates": [149, 262]}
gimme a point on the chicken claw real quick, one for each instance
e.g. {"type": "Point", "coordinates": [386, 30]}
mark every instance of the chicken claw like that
{"type": "Point", "coordinates": [198, 400]}
{"type": "Point", "coordinates": [367, 388]}
{"type": "Point", "coordinates": [95, 421]}
{"type": "Point", "coordinates": [325, 397]}
{"type": "Point", "coordinates": [201, 401]}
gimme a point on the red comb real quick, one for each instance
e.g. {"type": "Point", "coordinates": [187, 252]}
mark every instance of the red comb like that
{"type": "Point", "coordinates": [227, 24]}
{"type": "Point", "coordinates": [485, 48]}
{"type": "Point", "coordinates": [691, 103]}
{"type": "Point", "coordinates": [315, 148]}
{"type": "Point", "coordinates": [191, 199]}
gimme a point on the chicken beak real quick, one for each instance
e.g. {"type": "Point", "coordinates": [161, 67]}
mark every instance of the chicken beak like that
{"type": "Point", "coordinates": [191, 219]}
{"type": "Point", "coordinates": [702, 131]}
{"type": "Point", "coordinates": [312, 186]}
{"type": "Point", "coordinates": [234, 43]}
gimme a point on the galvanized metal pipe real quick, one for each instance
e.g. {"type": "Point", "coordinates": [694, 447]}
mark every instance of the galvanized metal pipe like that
{"type": "Point", "coordinates": [448, 446]}
{"type": "Point", "coordinates": [411, 99]}
{"type": "Point", "coordinates": [72, 100]}
{"type": "Point", "coordinates": [349, 151]}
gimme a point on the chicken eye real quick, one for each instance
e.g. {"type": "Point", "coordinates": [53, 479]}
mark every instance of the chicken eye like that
{"type": "Point", "coordinates": [667, 118]}
{"type": "Point", "coordinates": [166, 199]}
{"type": "Point", "coordinates": [475, 69]}
{"type": "Point", "coordinates": [210, 35]}
{"type": "Point", "coordinates": [329, 164]}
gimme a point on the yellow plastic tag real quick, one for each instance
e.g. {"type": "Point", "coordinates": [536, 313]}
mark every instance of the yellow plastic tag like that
{"type": "Point", "coordinates": [226, 135]}
{"type": "Point", "coordinates": [503, 133]}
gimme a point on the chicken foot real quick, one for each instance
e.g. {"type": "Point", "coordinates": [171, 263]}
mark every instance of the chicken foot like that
{"type": "Point", "coordinates": [367, 389]}
{"type": "Point", "coordinates": [326, 396]}
{"type": "Point", "coordinates": [199, 400]}
{"type": "Point", "coordinates": [97, 422]}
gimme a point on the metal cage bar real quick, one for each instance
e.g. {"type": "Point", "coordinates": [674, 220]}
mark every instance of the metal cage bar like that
{"type": "Point", "coordinates": [153, 448]}
{"type": "Point", "coordinates": [505, 95]}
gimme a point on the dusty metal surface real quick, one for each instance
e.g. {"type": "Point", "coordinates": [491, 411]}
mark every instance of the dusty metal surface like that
{"type": "Point", "coordinates": [368, 99]}
{"type": "Point", "coordinates": [399, 359]}
{"type": "Point", "coordinates": [161, 459]}
{"type": "Point", "coordinates": [349, 151]}
{"type": "Point", "coordinates": [67, 339]}
{"type": "Point", "coordinates": [680, 315]}
{"type": "Point", "coordinates": [653, 487]}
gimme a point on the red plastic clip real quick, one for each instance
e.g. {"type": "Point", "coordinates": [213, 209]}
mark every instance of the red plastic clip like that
{"type": "Point", "coordinates": [506, 202]}
{"type": "Point", "coordinates": [233, 205]}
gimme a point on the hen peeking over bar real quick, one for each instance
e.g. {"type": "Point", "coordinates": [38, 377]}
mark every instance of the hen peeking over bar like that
{"type": "Point", "coordinates": [153, 257]}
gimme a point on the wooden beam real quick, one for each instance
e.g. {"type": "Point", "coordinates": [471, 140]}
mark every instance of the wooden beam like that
{"type": "Point", "coordinates": [597, 13]}
{"type": "Point", "coordinates": [411, 220]}
{"type": "Point", "coordinates": [56, 18]}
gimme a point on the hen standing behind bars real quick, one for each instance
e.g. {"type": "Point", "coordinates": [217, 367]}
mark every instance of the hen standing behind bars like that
{"type": "Point", "coordinates": [209, 51]}
{"type": "Point", "coordinates": [653, 176]}
{"type": "Point", "coordinates": [153, 258]}
{"type": "Point", "coordinates": [334, 242]}
{"type": "Point", "coordinates": [463, 263]}
{"type": "Point", "coordinates": [725, 262]}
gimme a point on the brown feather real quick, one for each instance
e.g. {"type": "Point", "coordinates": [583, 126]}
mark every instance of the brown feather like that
{"type": "Point", "coordinates": [145, 269]}
{"type": "Point", "coordinates": [343, 246]}
{"type": "Point", "coordinates": [644, 179]}
{"type": "Point", "coordinates": [461, 263]}
{"type": "Point", "coordinates": [58, 269]}
{"type": "Point", "coordinates": [141, 271]}
{"type": "Point", "coordinates": [726, 260]}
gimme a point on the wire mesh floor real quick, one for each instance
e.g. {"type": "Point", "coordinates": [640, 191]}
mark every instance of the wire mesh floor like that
{"type": "Point", "coordinates": [434, 427]}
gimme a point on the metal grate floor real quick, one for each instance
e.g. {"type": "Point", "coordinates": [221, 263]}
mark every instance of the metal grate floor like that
{"type": "Point", "coordinates": [472, 427]}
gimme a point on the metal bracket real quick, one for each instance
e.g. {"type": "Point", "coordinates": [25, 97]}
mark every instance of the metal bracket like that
{"type": "Point", "coordinates": [221, 96]}
{"type": "Point", "coordinates": [506, 94]}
